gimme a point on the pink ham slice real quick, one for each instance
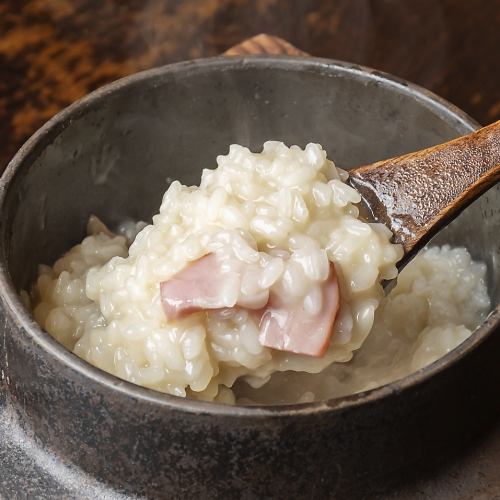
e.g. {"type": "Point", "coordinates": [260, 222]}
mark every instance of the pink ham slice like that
{"type": "Point", "coordinates": [293, 329]}
{"type": "Point", "coordinates": [200, 286]}
{"type": "Point", "coordinates": [197, 287]}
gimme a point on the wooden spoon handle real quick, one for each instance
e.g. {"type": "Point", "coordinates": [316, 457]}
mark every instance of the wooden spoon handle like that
{"type": "Point", "coordinates": [418, 193]}
{"type": "Point", "coordinates": [264, 45]}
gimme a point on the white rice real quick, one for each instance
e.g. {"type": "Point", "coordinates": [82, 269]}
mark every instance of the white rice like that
{"type": "Point", "coordinates": [287, 213]}
{"type": "Point", "coordinates": [438, 301]}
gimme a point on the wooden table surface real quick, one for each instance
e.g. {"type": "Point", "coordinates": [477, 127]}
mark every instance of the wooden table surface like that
{"type": "Point", "coordinates": [54, 51]}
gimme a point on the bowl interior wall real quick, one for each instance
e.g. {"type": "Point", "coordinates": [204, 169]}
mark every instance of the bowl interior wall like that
{"type": "Point", "coordinates": [115, 155]}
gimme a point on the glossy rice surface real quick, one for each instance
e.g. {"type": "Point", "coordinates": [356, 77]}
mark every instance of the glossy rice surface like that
{"type": "Point", "coordinates": [286, 214]}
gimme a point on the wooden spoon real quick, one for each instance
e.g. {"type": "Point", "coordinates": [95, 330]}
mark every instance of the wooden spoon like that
{"type": "Point", "coordinates": [417, 194]}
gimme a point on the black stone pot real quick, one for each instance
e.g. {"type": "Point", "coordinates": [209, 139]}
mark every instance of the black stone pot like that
{"type": "Point", "coordinates": [68, 429]}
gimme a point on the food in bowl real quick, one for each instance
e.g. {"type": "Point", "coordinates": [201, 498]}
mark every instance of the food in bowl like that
{"type": "Point", "coordinates": [264, 275]}
{"type": "Point", "coordinates": [439, 299]}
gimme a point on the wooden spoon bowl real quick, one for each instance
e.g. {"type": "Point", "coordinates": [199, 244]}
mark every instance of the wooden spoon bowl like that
{"type": "Point", "coordinates": [417, 194]}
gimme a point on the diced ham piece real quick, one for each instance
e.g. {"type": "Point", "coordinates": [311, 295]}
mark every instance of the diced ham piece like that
{"type": "Point", "coordinates": [203, 285]}
{"type": "Point", "coordinates": [199, 286]}
{"type": "Point", "coordinates": [295, 330]}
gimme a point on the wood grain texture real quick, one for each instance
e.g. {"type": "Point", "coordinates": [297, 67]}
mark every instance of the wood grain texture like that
{"type": "Point", "coordinates": [55, 51]}
{"type": "Point", "coordinates": [264, 44]}
{"type": "Point", "coordinates": [416, 194]}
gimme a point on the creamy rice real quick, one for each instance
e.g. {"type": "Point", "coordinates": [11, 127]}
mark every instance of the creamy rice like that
{"type": "Point", "coordinates": [439, 299]}
{"type": "Point", "coordinates": [284, 214]}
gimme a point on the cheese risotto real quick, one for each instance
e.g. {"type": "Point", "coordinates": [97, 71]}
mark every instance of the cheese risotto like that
{"type": "Point", "coordinates": [258, 286]}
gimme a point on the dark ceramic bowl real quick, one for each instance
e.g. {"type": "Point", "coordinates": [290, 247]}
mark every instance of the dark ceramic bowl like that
{"type": "Point", "coordinates": [69, 429]}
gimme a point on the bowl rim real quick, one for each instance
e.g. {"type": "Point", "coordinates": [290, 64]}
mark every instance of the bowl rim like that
{"type": "Point", "coordinates": [24, 320]}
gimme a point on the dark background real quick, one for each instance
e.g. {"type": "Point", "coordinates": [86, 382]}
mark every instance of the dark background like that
{"type": "Point", "coordinates": [54, 51]}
